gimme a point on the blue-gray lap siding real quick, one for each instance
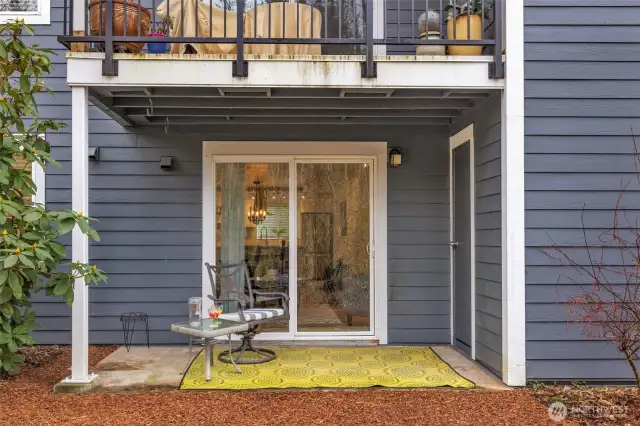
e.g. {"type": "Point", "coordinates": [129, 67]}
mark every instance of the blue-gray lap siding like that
{"type": "Point", "coordinates": [150, 225]}
{"type": "Point", "coordinates": [150, 221]}
{"type": "Point", "coordinates": [486, 120]}
{"type": "Point", "coordinates": [582, 97]}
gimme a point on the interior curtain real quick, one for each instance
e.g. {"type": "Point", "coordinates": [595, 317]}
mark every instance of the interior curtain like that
{"type": "Point", "coordinates": [232, 250]}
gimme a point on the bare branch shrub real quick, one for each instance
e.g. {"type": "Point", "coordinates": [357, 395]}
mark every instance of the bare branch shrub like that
{"type": "Point", "coordinates": [608, 303]}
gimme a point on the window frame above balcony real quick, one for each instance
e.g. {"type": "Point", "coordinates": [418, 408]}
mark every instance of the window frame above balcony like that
{"type": "Point", "coordinates": [41, 17]}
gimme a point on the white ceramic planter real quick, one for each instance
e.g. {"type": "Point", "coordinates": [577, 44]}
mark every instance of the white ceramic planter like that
{"type": "Point", "coordinates": [431, 50]}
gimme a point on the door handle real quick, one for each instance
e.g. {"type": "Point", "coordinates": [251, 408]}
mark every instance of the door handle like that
{"type": "Point", "coordinates": [368, 249]}
{"type": "Point", "coordinates": [454, 244]}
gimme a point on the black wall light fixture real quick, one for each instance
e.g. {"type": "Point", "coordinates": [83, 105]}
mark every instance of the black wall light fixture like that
{"type": "Point", "coordinates": [94, 153]}
{"type": "Point", "coordinates": [395, 157]}
{"type": "Point", "coordinates": [167, 163]}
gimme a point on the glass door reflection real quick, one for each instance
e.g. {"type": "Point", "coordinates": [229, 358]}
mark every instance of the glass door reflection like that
{"type": "Point", "coordinates": [333, 260]}
{"type": "Point", "coordinates": [252, 225]}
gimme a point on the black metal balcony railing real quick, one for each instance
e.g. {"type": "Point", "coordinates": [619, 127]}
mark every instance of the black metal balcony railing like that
{"type": "Point", "coordinates": [302, 27]}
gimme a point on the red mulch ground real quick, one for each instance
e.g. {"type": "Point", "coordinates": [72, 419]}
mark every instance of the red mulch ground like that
{"type": "Point", "coordinates": [28, 400]}
{"type": "Point", "coordinates": [594, 405]}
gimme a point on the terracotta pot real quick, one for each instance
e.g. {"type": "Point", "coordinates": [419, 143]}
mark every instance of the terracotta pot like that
{"type": "Point", "coordinates": [462, 25]}
{"type": "Point", "coordinates": [132, 11]}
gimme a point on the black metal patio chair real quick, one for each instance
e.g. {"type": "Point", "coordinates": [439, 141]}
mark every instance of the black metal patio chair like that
{"type": "Point", "coordinates": [232, 286]}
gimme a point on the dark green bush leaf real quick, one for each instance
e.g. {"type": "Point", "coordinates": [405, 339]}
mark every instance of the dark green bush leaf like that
{"type": "Point", "coordinates": [66, 225]}
{"type": "Point", "coordinates": [32, 217]}
{"type": "Point", "coordinates": [10, 261]}
{"type": "Point", "coordinates": [29, 253]}
{"type": "Point", "coordinates": [14, 285]}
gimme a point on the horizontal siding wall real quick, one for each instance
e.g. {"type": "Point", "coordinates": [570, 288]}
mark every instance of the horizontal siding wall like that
{"type": "Point", "coordinates": [150, 220]}
{"type": "Point", "coordinates": [582, 98]}
{"type": "Point", "coordinates": [150, 226]}
{"type": "Point", "coordinates": [486, 120]}
{"type": "Point", "coordinates": [418, 237]}
{"type": "Point", "coordinates": [149, 223]}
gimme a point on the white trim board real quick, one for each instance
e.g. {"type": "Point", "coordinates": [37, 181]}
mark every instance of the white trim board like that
{"type": "Point", "coordinates": [290, 152]}
{"type": "Point", "coordinates": [80, 241]}
{"type": "Point", "coordinates": [513, 202]}
{"type": "Point", "coordinates": [379, 27]}
{"type": "Point", "coordinates": [39, 179]}
{"type": "Point", "coordinates": [460, 138]}
{"type": "Point", "coordinates": [177, 71]}
{"type": "Point", "coordinates": [40, 17]}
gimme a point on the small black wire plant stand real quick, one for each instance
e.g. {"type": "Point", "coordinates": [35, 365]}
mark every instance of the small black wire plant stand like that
{"type": "Point", "coordinates": [129, 321]}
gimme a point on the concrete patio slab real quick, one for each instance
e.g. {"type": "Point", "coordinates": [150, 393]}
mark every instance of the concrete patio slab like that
{"type": "Point", "coordinates": [162, 367]}
{"type": "Point", "coordinates": [468, 369]}
{"type": "Point", "coordinates": [156, 367]}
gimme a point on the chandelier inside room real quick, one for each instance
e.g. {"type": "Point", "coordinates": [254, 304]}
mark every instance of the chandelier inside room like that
{"type": "Point", "coordinates": [258, 211]}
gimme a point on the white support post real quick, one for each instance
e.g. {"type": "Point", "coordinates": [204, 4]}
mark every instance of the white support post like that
{"type": "Point", "coordinates": [38, 177]}
{"type": "Point", "coordinates": [513, 202]}
{"type": "Point", "coordinates": [380, 247]}
{"type": "Point", "coordinates": [379, 27]}
{"type": "Point", "coordinates": [79, 12]}
{"type": "Point", "coordinates": [208, 223]}
{"type": "Point", "coordinates": [80, 242]}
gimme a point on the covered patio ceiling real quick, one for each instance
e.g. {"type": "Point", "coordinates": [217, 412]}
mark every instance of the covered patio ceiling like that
{"type": "Point", "coordinates": [206, 106]}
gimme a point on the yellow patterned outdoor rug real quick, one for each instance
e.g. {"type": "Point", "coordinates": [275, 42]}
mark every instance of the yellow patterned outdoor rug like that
{"type": "Point", "coordinates": [331, 367]}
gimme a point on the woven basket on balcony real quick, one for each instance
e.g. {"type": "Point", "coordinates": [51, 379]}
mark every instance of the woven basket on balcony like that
{"type": "Point", "coordinates": [133, 10]}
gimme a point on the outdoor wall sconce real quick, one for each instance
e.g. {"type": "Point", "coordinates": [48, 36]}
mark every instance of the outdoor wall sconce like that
{"type": "Point", "coordinates": [167, 163]}
{"type": "Point", "coordinates": [94, 153]}
{"type": "Point", "coordinates": [395, 157]}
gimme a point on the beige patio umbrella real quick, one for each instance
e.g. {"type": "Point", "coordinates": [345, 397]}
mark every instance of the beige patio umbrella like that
{"type": "Point", "coordinates": [256, 24]}
{"type": "Point", "coordinates": [204, 11]}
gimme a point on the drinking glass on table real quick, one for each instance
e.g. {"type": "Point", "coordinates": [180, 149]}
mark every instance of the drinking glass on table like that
{"type": "Point", "coordinates": [195, 311]}
{"type": "Point", "coordinates": [214, 314]}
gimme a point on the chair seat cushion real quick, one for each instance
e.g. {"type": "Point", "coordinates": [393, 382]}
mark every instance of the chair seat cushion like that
{"type": "Point", "coordinates": [254, 314]}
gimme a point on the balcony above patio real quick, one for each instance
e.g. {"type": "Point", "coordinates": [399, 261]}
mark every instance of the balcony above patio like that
{"type": "Point", "coordinates": [188, 109]}
{"type": "Point", "coordinates": [373, 44]}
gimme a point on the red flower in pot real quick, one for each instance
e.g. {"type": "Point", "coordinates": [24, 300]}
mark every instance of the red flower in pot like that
{"type": "Point", "coordinates": [161, 30]}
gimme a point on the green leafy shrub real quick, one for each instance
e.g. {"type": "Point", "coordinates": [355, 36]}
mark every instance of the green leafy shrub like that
{"type": "Point", "coordinates": [30, 256]}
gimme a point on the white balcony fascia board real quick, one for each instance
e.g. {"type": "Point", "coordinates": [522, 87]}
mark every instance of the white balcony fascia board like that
{"type": "Point", "coordinates": [165, 70]}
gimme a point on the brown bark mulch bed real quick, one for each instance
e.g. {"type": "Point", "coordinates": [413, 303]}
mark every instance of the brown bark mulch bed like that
{"type": "Point", "coordinates": [593, 405]}
{"type": "Point", "coordinates": [35, 356]}
{"type": "Point", "coordinates": [28, 400]}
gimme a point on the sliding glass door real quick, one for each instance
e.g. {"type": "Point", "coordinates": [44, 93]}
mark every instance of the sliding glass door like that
{"type": "Point", "coordinates": [334, 232]}
{"type": "Point", "coordinates": [252, 224]}
{"type": "Point", "coordinates": [304, 227]}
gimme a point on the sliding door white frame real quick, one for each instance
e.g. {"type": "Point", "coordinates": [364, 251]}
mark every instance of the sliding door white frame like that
{"type": "Point", "coordinates": [371, 153]}
{"type": "Point", "coordinates": [369, 161]}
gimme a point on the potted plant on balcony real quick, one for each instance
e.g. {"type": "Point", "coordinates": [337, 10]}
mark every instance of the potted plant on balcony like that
{"type": "Point", "coordinates": [160, 30]}
{"type": "Point", "coordinates": [429, 25]}
{"type": "Point", "coordinates": [133, 12]}
{"type": "Point", "coordinates": [467, 18]}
